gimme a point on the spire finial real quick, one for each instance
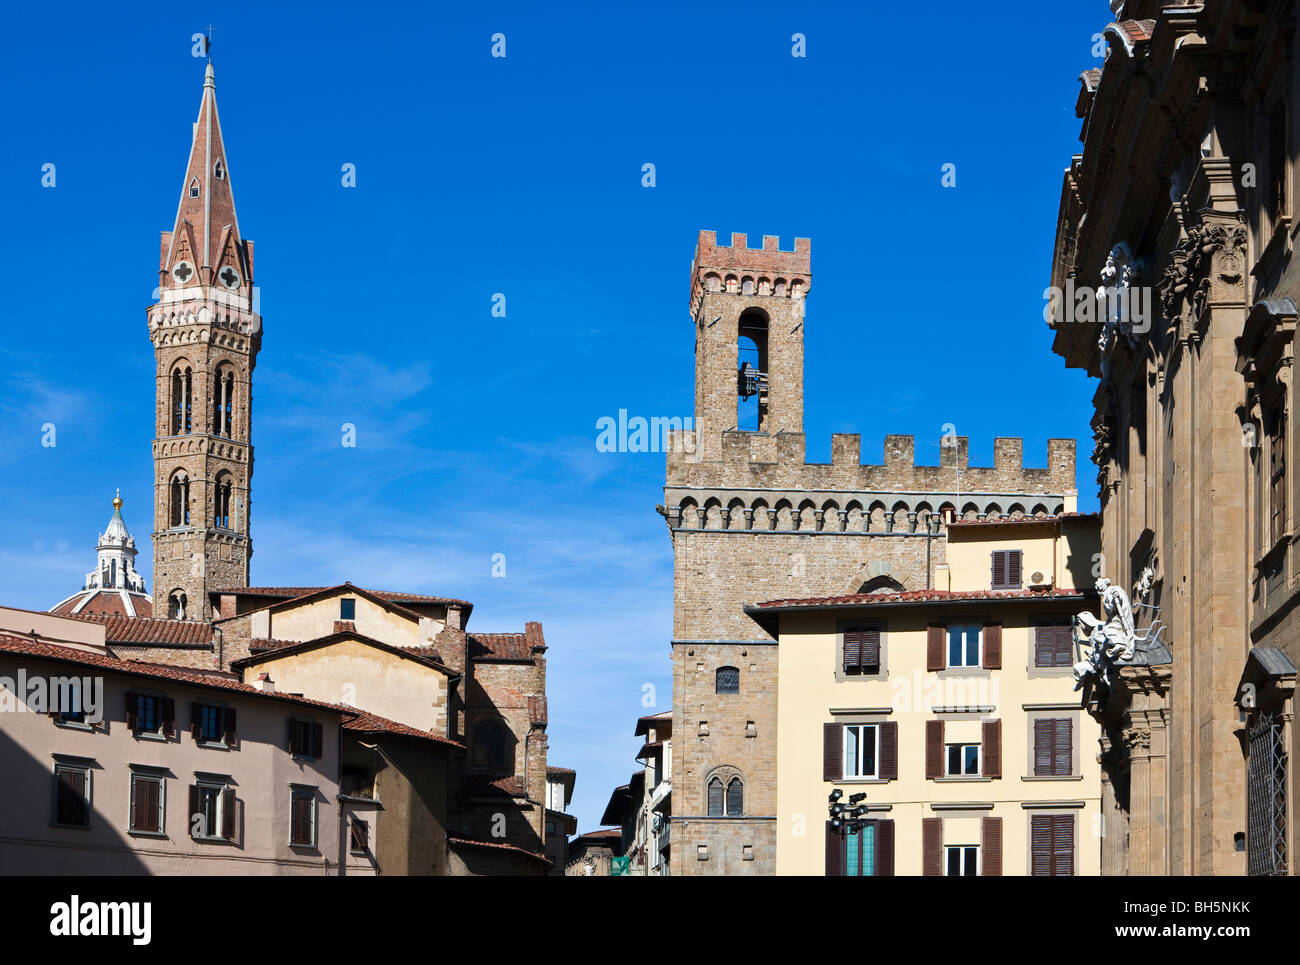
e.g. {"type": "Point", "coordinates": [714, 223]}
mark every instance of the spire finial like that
{"type": "Point", "coordinates": [117, 500]}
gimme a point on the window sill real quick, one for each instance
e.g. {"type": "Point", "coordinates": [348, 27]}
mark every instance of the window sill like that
{"type": "Point", "coordinates": [304, 848]}
{"type": "Point", "coordinates": [75, 725]}
{"type": "Point", "coordinates": [142, 735]}
{"type": "Point", "coordinates": [963, 672]}
{"type": "Point", "coordinates": [1052, 777]}
{"type": "Point", "coordinates": [961, 779]}
{"type": "Point", "coordinates": [862, 780]}
{"type": "Point", "coordinates": [147, 834]}
{"type": "Point", "coordinates": [70, 827]}
{"type": "Point", "coordinates": [1049, 671]}
{"type": "Point", "coordinates": [213, 745]}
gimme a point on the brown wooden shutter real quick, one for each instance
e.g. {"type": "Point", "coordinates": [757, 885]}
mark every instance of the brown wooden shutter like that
{"type": "Point", "coordinates": [871, 650]}
{"type": "Point", "coordinates": [168, 717]}
{"type": "Point", "coordinates": [196, 720]}
{"type": "Point", "coordinates": [317, 740]}
{"type": "Point", "coordinates": [998, 566]}
{"type": "Point", "coordinates": [146, 799]}
{"type": "Point", "coordinates": [992, 655]}
{"type": "Point", "coordinates": [991, 846]}
{"type": "Point", "coordinates": [852, 650]}
{"type": "Point", "coordinates": [228, 725]}
{"type": "Point", "coordinates": [885, 848]}
{"type": "Point", "coordinates": [992, 748]}
{"type": "Point", "coordinates": [1043, 733]}
{"type": "Point", "coordinates": [832, 752]}
{"type": "Point", "coordinates": [1040, 844]}
{"type": "Point", "coordinates": [137, 804]}
{"type": "Point", "coordinates": [834, 852]}
{"type": "Point", "coordinates": [228, 807]}
{"type": "Point", "coordinates": [1063, 747]}
{"type": "Point", "coordinates": [1014, 563]}
{"type": "Point", "coordinates": [933, 748]}
{"type": "Point", "coordinates": [889, 750]}
{"type": "Point", "coordinates": [1062, 845]}
{"type": "Point", "coordinates": [932, 847]}
{"type": "Point", "coordinates": [934, 656]}
{"type": "Point", "coordinates": [295, 745]}
{"type": "Point", "coordinates": [132, 711]}
{"type": "Point", "coordinates": [196, 805]}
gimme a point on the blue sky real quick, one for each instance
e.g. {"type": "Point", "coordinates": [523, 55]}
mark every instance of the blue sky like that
{"type": "Point", "coordinates": [478, 175]}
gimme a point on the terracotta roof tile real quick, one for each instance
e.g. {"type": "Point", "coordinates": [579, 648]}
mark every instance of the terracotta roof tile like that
{"type": "Point", "coordinates": [508, 646]}
{"type": "Point", "coordinates": [483, 784]}
{"type": "Point", "coordinates": [1021, 520]}
{"type": "Point", "coordinates": [368, 723]}
{"type": "Point", "coordinates": [923, 596]}
{"type": "Point", "coordinates": [498, 844]}
{"type": "Point", "coordinates": [147, 631]}
{"type": "Point", "coordinates": [290, 592]}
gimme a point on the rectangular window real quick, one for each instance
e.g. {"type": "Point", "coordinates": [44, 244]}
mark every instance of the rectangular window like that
{"type": "Point", "coordinates": [962, 860]}
{"type": "Point", "coordinates": [206, 810]}
{"type": "Point", "coordinates": [963, 760]}
{"type": "Point", "coordinates": [347, 609]}
{"type": "Point", "coordinates": [861, 746]}
{"type": "Point", "coordinates": [359, 836]}
{"type": "Point", "coordinates": [1053, 747]}
{"type": "Point", "coordinates": [72, 795]}
{"type": "Point", "coordinates": [302, 817]}
{"type": "Point", "coordinates": [860, 852]}
{"type": "Point", "coordinates": [147, 717]}
{"type": "Point", "coordinates": [211, 724]}
{"type": "Point", "coordinates": [964, 646]}
{"type": "Point", "coordinates": [146, 803]}
{"type": "Point", "coordinates": [305, 738]}
{"type": "Point", "coordinates": [1053, 645]}
{"type": "Point", "coordinates": [862, 650]}
{"type": "Point", "coordinates": [1006, 569]}
{"type": "Point", "coordinates": [1052, 845]}
{"type": "Point", "coordinates": [67, 703]}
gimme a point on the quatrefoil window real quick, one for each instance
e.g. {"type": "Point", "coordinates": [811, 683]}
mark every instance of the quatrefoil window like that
{"type": "Point", "coordinates": [229, 277]}
{"type": "Point", "coordinates": [183, 271]}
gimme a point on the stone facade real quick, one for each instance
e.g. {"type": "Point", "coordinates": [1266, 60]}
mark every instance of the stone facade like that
{"type": "Point", "coordinates": [206, 334]}
{"type": "Point", "coordinates": [751, 520]}
{"type": "Point", "coordinates": [1183, 199]}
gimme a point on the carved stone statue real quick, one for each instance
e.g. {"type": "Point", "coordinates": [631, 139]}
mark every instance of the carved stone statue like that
{"type": "Point", "coordinates": [1112, 641]}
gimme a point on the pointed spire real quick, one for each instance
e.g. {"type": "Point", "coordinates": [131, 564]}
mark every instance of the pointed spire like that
{"type": "Point", "coordinates": [204, 246]}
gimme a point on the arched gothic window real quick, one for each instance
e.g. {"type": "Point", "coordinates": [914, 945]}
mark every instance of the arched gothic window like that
{"type": "Point", "coordinates": [716, 800]}
{"type": "Point", "coordinates": [176, 605]}
{"type": "Point", "coordinates": [735, 798]}
{"type": "Point", "coordinates": [182, 383]}
{"type": "Point", "coordinates": [180, 500]}
{"type": "Point", "coordinates": [223, 403]}
{"type": "Point", "coordinates": [221, 510]}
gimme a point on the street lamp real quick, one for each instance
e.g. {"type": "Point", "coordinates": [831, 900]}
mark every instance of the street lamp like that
{"type": "Point", "coordinates": [847, 818]}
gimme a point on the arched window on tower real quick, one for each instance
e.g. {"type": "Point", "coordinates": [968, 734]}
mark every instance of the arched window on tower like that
{"type": "Point", "coordinates": [223, 402]}
{"type": "Point", "coordinates": [221, 510]}
{"type": "Point", "coordinates": [180, 500]}
{"type": "Point", "coordinates": [182, 384]}
{"type": "Point", "coordinates": [176, 605]}
{"type": "Point", "coordinates": [715, 798]}
{"type": "Point", "coordinates": [112, 574]}
{"type": "Point", "coordinates": [735, 798]}
{"type": "Point", "coordinates": [751, 376]}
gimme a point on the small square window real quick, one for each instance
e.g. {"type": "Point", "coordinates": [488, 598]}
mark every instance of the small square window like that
{"type": "Point", "coordinates": [964, 646]}
{"type": "Point", "coordinates": [963, 860]}
{"type": "Point", "coordinates": [963, 760]}
{"type": "Point", "coordinates": [347, 609]}
{"type": "Point", "coordinates": [727, 680]}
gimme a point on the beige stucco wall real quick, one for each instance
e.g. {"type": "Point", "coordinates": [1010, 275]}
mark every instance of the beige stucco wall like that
{"type": "Point", "coordinates": [1068, 560]}
{"type": "Point", "coordinates": [311, 621]}
{"type": "Point", "coordinates": [359, 675]}
{"type": "Point", "coordinates": [907, 693]}
{"type": "Point", "coordinates": [260, 769]}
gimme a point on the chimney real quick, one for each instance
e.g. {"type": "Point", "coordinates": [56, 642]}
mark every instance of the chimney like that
{"type": "Point", "coordinates": [264, 683]}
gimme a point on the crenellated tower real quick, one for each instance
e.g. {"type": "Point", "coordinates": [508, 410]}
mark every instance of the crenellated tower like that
{"type": "Point", "coordinates": [206, 333]}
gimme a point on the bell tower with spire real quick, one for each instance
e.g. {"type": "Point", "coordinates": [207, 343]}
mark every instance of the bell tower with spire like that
{"type": "Point", "coordinates": [206, 333]}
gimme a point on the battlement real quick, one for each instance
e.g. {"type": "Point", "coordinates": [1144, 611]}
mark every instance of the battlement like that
{"type": "Point", "coordinates": [755, 463]}
{"type": "Point", "coordinates": [739, 269]}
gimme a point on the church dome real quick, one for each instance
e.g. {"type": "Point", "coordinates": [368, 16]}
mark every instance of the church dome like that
{"type": "Point", "coordinates": [113, 587]}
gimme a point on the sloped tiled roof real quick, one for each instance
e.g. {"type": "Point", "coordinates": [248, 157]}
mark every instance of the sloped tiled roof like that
{"type": "Point", "coordinates": [147, 631]}
{"type": "Point", "coordinates": [482, 784]}
{"type": "Point", "coordinates": [508, 646]}
{"type": "Point", "coordinates": [367, 723]}
{"type": "Point", "coordinates": [469, 843]}
{"type": "Point", "coordinates": [921, 596]}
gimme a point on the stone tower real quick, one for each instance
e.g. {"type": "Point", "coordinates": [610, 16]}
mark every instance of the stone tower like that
{"type": "Point", "coordinates": [751, 297]}
{"type": "Point", "coordinates": [206, 333]}
{"type": "Point", "coordinates": [751, 520]}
